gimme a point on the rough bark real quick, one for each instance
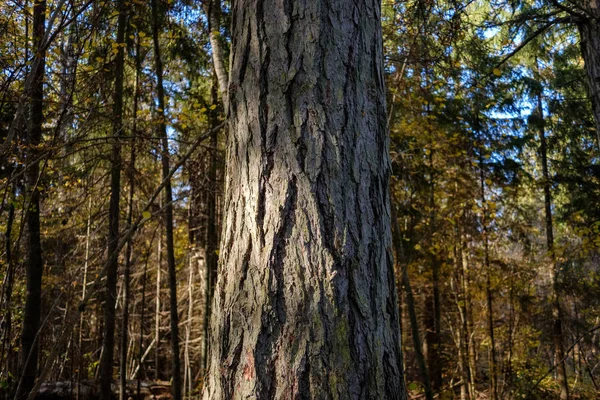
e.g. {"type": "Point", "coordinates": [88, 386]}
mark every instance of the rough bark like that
{"type": "Point", "coordinates": [34, 265]}
{"type": "Point", "coordinates": [589, 32]}
{"type": "Point", "coordinates": [305, 304]}
{"type": "Point", "coordinates": [557, 334]}
{"type": "Point", "coordinates": [110, 293]}
{"type": "Point", "coordinates": [168, 212]}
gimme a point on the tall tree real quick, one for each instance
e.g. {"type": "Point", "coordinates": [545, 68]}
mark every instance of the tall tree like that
{"type": "Point", "coordinates": [34, 263]}
{"type": "Point", "coordinates": [110, 294]}
{"type": "Point", "coordinates": [557, 330]}
{"type": "Point", "coordinates": [168, 204]}
{"type": "Point", "coordinates": [305, 303]}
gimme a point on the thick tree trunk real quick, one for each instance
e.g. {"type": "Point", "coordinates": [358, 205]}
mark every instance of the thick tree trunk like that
{"type": "Point", "coordinates": [305, 304]}
{"type": "Point", "coordinates": [110, 294]}
{"type": "Point", "coordinates": [34, 265]}
{"type": "Point", "coordinates": [557, 334]}
{"type": "Point", "coordinates": [168, 212]}
{"type": "Point", "coordinates": [589, 32]}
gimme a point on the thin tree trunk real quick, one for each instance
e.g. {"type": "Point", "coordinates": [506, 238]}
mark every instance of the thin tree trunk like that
{"type": "Point", "coordinates": [83, 290]}
{"type": "Point", "coordinates": [159, 254]}
{"type": "Point", "coordinates": [33, 262]}
{"type": "Point", "coordinates": [557, 334]}
{"type": "Point", "coordinates": [142, 319]}
{"type": "Point", "coordinates": [488, 286]}
{"type": "Point", "coordinates": [211, 242]}
{"type": "Point", "coordinates": [417, 343]}
{"type": "Point", "coordinates": [305, 303]}
{"type": "Point", "coordinates": [410, 305]}
{"type": "Point", "coordinates": [7, 288]}
{"type": "Point", "coordinates": [433, 335]}
{"type": "Point", "coordinates": [187, 374]}
{"type": "Point", "coordinates": [463, 300]}
{"type": "Point", "coordinates": [212, 10]}
{"type": "Point", "coordinates": [168, 213]}
{"type": "Point", "coordinates": [128, 249]}
{"type": "Point", "coordinates": [110, 294]}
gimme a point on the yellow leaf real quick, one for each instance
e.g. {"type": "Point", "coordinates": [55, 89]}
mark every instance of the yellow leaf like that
{"type": "Point", "coordinates": [146, 214]}
{"type": "Point", "coordinates": [213, 106]}
{"type": "Point", "coordinates": [497, 72]}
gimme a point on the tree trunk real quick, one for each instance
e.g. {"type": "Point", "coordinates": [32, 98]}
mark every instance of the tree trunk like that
{"type": "Point", "coordinates": [433, 318]}
{"type": "Point", "coordinates": [488, 287]}
{"type": "Point", "coordinates": [305, 303]}
{"type": "Point", "coordinates": [128, 249]}
{"type": "Point", "coordinates": [159, 254]}
{"type": "Point", "coordinates": [33, 263]}
{"type": "Point", "coordinates": [557, 334]}
{"type": "Point", "coordinates": [211, 242]}
{"type": "Point", "coordinates": [7, 291]}
{"type": "Point", "coordinates": [110, 295]}
{"type": "Point", "coordinates": [414, 325]}
{"type": "Point", "coordinates": [168, 212]}
{"type": "Point", "coordinates": [212, 10]}
{"type": "Point", "coordinates": [589, 32]}
{"type": "Point", "coordinates": [410, 305]}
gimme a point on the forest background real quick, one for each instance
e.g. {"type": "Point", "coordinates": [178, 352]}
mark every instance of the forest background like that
{"type": "Point", "coordinates": [492, 119]}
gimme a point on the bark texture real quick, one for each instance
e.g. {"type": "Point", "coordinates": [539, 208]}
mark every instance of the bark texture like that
{"type": "Point", "coordinates": [305, 305]}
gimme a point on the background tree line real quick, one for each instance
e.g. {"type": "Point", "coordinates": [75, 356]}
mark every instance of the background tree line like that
{"type": "Point", "coordinates": [111, 181]}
